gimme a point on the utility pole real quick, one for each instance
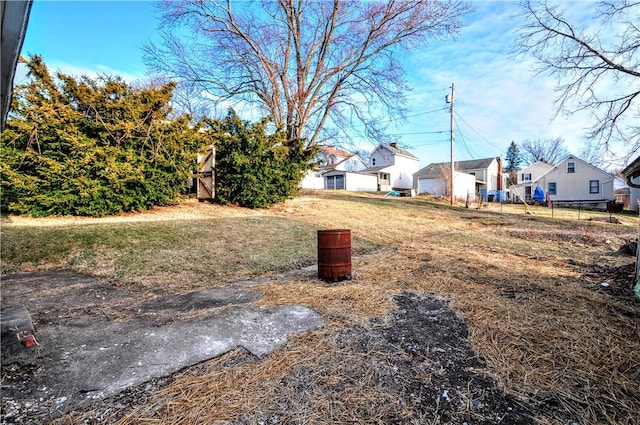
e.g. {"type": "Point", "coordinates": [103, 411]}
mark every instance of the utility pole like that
{"type": "Point", "coordinates": [451, 101]}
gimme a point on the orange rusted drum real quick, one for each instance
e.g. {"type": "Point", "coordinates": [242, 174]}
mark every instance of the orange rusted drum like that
{"type": "Point", "coordinates": [334, 255]}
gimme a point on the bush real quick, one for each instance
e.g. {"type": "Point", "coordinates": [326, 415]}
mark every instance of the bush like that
{"type": "Point", "coordinates": [255, 169]}
{"type": "Point", "coordinates": [92, 147]}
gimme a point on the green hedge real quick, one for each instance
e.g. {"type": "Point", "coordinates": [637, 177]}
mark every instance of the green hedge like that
{"type": "Point", "coordinates": [256, 169]}
{"type": "Point", "coordinates": [92, 147]}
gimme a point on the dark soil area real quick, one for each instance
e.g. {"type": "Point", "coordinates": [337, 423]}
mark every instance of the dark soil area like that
{"type": "Point", "coordinates": [412, 366]}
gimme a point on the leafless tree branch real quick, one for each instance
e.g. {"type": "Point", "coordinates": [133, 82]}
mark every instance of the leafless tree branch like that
{"type": "Point", "coordinates": [597, 70]}
{"type": "Point", "coordinates": [300, 61]}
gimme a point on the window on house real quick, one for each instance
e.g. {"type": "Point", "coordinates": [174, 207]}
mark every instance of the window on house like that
{"type": "Point", "coordinates": [526, 177]}
{"type": "Point", "coordinates": [594, 186]}
{"type": "Point", "coordinates": [552, 188]}
{"type": "Point", "coordinates": [571, 167]}
{"type": "Point", "coordinates": [527, 193]}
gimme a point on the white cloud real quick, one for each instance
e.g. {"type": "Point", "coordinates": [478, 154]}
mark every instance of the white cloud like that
{"type": "Point", "coordinates": [77, 71]}
{"type": "Point", "coordinates": [498, 98]}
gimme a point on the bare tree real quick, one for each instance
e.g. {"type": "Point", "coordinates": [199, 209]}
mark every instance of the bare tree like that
{"type": "Point", "coordinates": [597, 70]}
{"type": "Point", "coordinates": [548, 150]}
{"type": "Point", "coordinates": [311, 65]}
{"type": "Point", "coordinates": [593, 154]}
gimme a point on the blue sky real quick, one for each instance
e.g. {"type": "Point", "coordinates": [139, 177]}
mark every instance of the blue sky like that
{"type": "Point", "coordinates": [498, 98]}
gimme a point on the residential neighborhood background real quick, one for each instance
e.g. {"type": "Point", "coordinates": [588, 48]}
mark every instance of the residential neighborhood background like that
{"type": "Point", "coordinates": [570, 182]}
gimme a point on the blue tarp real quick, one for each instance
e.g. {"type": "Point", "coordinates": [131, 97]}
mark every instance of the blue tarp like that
{"type": "Point", "coordinates": [538, 194]}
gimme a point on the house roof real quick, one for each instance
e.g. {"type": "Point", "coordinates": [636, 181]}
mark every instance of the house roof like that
{"type": "Point", "coordinates": [474, 164]}
{"type": "Point", "coordinates": [537, 164]}
{"type": "Point", "coordinates": [434, 170]}
{"type": "Point", "coordinates": [397, 151]}
{"type": "Point", "coordinates": [15, 17]}
{"type": "Point", "coordinates": [631, 172]}
{"type": "Point", "coordinates": [332, 150]}
{"type": "Point", "coordinates": [375, 169]}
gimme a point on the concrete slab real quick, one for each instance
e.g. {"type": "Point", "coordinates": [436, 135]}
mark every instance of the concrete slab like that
{"type": "Point", "coordinates": [117, 340]}
{"type": "Point", "coordinates": [102, 361]}
{"type": "Point", "coordinates": [199, 300]}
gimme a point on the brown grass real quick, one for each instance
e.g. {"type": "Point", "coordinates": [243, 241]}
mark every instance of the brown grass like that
{"type": "Point", "coordinates": [527, 287]}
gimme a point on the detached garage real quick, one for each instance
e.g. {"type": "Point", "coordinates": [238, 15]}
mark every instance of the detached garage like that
{"type": "Point", "coordinates": [436, 184]}
{"type": "Point", "coordinates": [352, 181]}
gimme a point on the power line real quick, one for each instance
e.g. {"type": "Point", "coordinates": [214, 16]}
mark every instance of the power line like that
{"type": "Point", "coordinates": [421, 132]}
{"type": "Point", "coordinates": [432, 143]}
{"type": "Point", "coordinates": [476, 131]}
{"type": "Point", "coordinates": [396, 120]}
{"type": "Point", "coordinates": [423, 92]}
{"type": "Point", "coordinates": [427, 112]}
{"type": "Point", "coordinates": [464, 142]}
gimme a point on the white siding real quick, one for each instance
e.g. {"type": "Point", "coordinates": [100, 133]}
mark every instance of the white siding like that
{"type": "Point", "coordinates": [489, 176]}
{"type": "Point", "coordinates": [463, 185]}
{"type": "Point", "coordinates": [572, 186]}
{"type": "Point", "coordinates": [536, 170]}
{"type": "Point", "coordinates": [401, 174]}
{"type": "Point", "coordinates": [381, 157]}
{"type": "Point", "coordinates": [354, 163]}
{"type": "Point", "coordinates": [312, 180]}
{"type": "Point", "coordinates": [399, 167]}
{"type": "Point", "coordinates": [361, 182]}
{"type": "Point", "coordinates": [576, 186]}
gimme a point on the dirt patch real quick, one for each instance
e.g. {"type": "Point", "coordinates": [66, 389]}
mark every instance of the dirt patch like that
{"type": "Point", "coordinates": [65, 296]}
{"type": "Point", "coordinates": [566, 237]}
{"type": "Point", "coordinates": [413, 365]}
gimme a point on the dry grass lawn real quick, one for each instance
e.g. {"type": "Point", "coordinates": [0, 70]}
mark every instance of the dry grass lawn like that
{"type": "Point", "coordinates": [528, 287]}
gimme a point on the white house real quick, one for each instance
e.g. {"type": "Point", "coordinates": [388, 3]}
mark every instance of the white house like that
{"type": "Point", "coordinates": [329, 159]}
{"type": "Point", "coordinates": [393, 167]}
{"type": "Point", "coordinates": [521, 189]}
{"type": "Point", "coordinates": [533, 172]}
{"type": "Point", "coordinates": [483, 177]}
{"type": "Point", "coordinates": [571, 182]}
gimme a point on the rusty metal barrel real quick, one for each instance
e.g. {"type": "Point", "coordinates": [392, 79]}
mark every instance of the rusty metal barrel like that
{"type": "Point", "coordinates": [334, 255]}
